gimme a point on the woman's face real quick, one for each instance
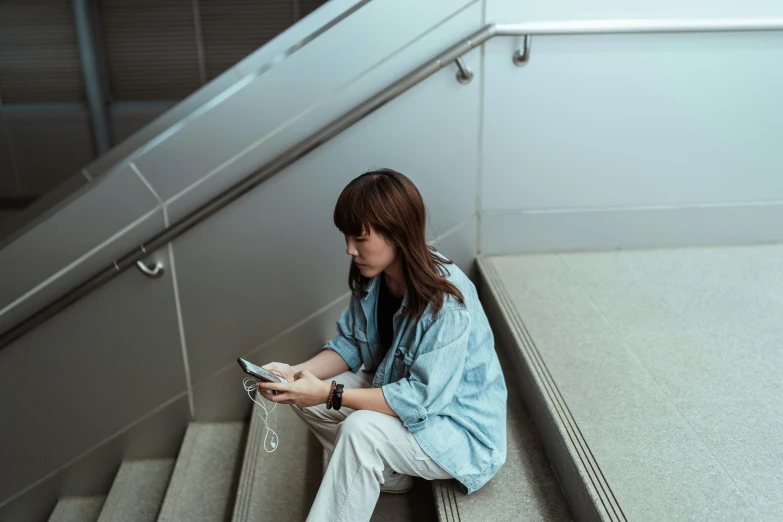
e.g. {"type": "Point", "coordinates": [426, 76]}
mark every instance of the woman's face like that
{"type": "Point", "coordinates": [370, 252]}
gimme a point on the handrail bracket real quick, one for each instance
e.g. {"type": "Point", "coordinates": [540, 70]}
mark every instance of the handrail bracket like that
{"type": "Point", "coordinates": [522, 56]}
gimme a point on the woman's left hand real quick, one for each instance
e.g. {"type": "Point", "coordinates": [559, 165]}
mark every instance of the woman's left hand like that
{"type": "Point", "coordinates": [306, 390]}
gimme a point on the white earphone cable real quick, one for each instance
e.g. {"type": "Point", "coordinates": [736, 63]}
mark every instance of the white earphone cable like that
{"type": "Point", "coordinates": [250, 385]}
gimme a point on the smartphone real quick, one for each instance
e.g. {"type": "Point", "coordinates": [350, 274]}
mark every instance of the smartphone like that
{"type": "Point", "coordinates": [260, 373]}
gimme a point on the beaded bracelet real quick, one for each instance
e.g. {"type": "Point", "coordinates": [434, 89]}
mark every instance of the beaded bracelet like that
{"type": "Point", "coordinates": [331, 395]}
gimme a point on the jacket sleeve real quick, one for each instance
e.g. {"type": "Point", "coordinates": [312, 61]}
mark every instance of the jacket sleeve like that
{"type": "Point", "coordinates": [344, 343]}
{"type": "Point", "coordinates": [435, 373]}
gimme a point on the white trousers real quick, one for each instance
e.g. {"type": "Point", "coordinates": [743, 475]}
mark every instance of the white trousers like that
{"type": "Point", "coordinates": [362, 445]}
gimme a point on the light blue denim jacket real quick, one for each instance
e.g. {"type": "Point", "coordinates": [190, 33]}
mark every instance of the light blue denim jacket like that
{"type": "Point", "coordinates": [441, 376]}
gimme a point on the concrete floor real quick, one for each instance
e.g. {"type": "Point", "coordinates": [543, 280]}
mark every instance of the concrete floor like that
{"type": "Point", "coordinates": [671, 362]}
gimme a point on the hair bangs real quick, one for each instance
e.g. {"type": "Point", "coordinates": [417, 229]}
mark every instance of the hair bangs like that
{"type": "Point", "coordinates": [351, 215]}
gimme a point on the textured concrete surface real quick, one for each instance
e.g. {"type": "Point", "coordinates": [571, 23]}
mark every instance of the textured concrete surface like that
{"type": "Point", "coordinates": [203, 483]}
{"type": "Point", "coordinates": [138, 490]}
{"type": "Point", "coordinates": [77, 509]}
{"type": "Point", "coordinates": [285, 481]}
{"type": "Point", "coordinates": [671, 363]}
{"type": "Point", "coordinates": [524, 489]}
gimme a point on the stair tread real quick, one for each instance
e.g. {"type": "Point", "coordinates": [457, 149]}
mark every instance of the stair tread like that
{"type": "Point", "coordinates": [285, 481]}
{"type": "Point", "coordinates": [138, 490]}
{"type": "Point", "coordinates": [525, 487]}
{"type": "Point", "coordinates": [77, 509]}
{"type": "Point", "coordinates": [204, 477]}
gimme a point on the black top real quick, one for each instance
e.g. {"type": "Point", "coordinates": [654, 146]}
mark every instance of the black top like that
{"type": "Point", "coordinates": [387, 307]}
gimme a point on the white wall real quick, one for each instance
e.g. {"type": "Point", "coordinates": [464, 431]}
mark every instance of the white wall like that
{"type": "Point", "coordinates": [631, 140]}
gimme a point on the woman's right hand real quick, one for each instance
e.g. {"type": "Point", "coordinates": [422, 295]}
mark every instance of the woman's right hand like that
{"type": "Point", "coordinates": [284, 369]}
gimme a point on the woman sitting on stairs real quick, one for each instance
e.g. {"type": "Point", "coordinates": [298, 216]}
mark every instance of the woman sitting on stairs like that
{"type": "Point", "coordinates": [411, 385]}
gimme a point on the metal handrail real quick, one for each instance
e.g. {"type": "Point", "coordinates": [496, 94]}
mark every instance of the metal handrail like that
{"type": "Point", "coordinates": [621, 26]}
{"type": "Point", "coordinates": [526, 30]}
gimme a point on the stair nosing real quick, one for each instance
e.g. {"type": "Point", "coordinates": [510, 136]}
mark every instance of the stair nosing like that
{"type": "Point", "coordinates": [561, 417]}
{"type": "Point", "coordinates": [448, 509]}
{"type": "Point", "coordinates": [247, 476]}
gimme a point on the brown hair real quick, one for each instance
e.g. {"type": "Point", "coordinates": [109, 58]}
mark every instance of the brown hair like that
{"type": "Point", "coordinates": [391, 204]}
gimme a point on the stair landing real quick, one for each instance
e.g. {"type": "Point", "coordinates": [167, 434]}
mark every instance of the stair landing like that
{"type": "Point", "coordinates": [660, 371]}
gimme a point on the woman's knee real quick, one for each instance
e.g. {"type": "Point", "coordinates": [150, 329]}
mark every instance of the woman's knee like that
{"type": "Point", "coordinates": [361, 423]}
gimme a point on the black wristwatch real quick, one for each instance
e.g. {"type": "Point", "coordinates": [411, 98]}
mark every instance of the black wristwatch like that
{"type": "Point", "coordinates": [338, 397]}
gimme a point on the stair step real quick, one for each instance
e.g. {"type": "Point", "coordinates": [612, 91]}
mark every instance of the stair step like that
{"type": "Point", "coordinates": [535, 386]}
{"type": "Point", "coordinates": [204, 479]}
{"type": "Point", "coordinates": [525, 488]}
{"type": "Point", "coordinates": [285, 481]}
{"type": "Point", "coordinates": [77, 509]}
{"type": "Point", "coordinates": [138, 490]}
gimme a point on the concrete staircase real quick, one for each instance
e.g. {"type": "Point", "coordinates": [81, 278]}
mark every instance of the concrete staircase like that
{"type": "Point", "coordinates": [596, 429]}
{"type": "Point", "coordinates": [224, 473]}
{"type": "Point", "coordinates": [643, 385]}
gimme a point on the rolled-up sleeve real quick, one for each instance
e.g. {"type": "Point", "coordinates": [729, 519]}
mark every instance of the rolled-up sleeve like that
{"type": "Point", "coordinates": [436, 371]}
{"type": "Point", "coordinates": [344, 343]}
